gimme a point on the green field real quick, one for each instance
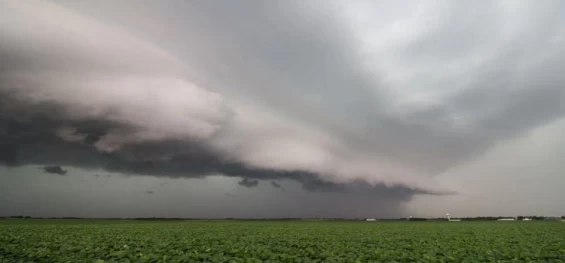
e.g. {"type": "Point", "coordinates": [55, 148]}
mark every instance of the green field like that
{"type": "Point", "coordinates": [280, 241]}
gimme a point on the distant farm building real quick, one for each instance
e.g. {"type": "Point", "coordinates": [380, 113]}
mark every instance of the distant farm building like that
{"type": "Point", "coordinates": [452, 219]}
{"type": "Point", "coordinates": [507, 219]}
{"type": "Point", "coordinates": [370, 219]}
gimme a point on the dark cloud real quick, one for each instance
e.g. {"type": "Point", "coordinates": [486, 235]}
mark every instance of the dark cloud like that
{"type": "Point", "coordinates": [275, 184]}
{"type": "Point", "coordinates": [36, 144]}
{"type": "Point", "coordinates": [149, 192]}
{"type": "Point", "coordinates": [247, 182]}
{"type": "Point", "coordinates": [118, 138]}
{"type": "Point", "coordinates": [54, 169]}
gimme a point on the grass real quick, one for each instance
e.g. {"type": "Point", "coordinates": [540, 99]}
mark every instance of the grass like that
{"type": "Point", "coordinates": [279, 241]}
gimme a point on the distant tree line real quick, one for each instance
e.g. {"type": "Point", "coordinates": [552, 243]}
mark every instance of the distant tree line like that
{"type": "Point", "coordinates": [30, 217]}
{"type": "Point", "coordinates": [479, 218]}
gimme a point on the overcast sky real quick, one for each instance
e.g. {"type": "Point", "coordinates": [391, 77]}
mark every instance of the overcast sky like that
{"type": "Point", "coordinates": [282, 108]}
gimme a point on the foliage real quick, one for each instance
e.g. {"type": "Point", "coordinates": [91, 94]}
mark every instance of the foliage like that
{"type": "Point", "coordinates": [282, 241]}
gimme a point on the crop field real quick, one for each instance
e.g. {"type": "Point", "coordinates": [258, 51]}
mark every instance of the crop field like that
{"type": "Point", "coordinates": [279, 241]}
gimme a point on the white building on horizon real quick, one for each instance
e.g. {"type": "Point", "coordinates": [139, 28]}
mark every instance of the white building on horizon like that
{"type": "Point", "coordinates": [452, 220]}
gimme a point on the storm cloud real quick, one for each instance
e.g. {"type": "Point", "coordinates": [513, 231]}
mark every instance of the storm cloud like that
{"type": "Point", "coordinates": [275, 184]}
{"type": "Point", "coordinates": [246, 182]}
{"type": "Point", "coordinates": [340, 97]}
{"type": "Point", "coordinates": [54, 169]}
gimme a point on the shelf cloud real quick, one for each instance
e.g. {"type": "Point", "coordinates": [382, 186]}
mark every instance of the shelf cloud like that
{"type": "Point", "coordinates": [334, 95]}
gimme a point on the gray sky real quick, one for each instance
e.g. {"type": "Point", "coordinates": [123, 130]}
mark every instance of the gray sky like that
{"type": "Point", "coordinates": [371, 108]}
